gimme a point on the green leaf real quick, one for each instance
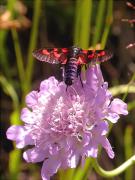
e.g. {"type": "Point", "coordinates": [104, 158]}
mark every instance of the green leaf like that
{"type": "Point", "coordinates": [9, 90]}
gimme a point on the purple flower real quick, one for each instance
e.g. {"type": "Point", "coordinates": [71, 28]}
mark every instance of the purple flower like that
{"type": "Point", "coordinates": [66, 126]}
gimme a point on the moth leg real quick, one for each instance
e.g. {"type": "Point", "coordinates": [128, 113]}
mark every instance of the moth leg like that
{"type": "Point", "coordinates": [63, 72]}
{"type": "Point", "coordinates": [79, 74]}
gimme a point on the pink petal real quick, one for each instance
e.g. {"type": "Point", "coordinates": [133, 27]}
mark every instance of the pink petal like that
{"type": "Point", "coordinates": [49, 168]}
{"type": "Point", "coordinates": [101, 97]}
{"type": "Point", "coordinates": [27, 116]}
{"type": "Point", "coordinates": [91, 150]}
{"type": "Point", "coordinates": [53, 149]}
{"type": "Point", "coordinates": [20, 135]}
{"type": "Point", "coordinates": [99, 74]}
{"type": "Point", "coordinates": [31, 99]}
{"type": "Point", "coordinates": [15, 132]}
{"type": "Point", "coordinates": [35, 155]}
{"type": "Point", "coordinates": [86, 139]}
{"type": "Point", "coordinates": [73, 160]}
{"type": "Point", "coordinates": [91, 77]}
{"type": "Point", "coordinates": [113, 117]}
{"type": "Point", "coordinates": [102, 128]}
{"type": "Point", "coordinates": [105, 143]}
{"type": "Point", "coordinates": [48, 84]}
{"type": "Point", "coordinates": [118, 106]}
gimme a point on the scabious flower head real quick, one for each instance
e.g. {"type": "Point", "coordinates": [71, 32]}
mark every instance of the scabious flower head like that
{"type": "Point", "coordinates": [65, 127]}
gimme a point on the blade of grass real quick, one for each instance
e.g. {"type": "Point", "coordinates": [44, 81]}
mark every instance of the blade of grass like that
{"type": "Point", "coordinates": [131, 105]}
{"type": "Point", "coordinates": [81, 173]}
{"type": "Point", "coordinates": [129, 87]}
{"type": "Point", "coordinates": [3, 49]}
{"type": "Point", "coordinates": [128, 143]}
{"type": "Point", "coordinates": [32, 44]}
{"type": "Point", "coordinates": [85, 21]}
{"type": "Point", "coordinates": [99, 22]}
{"type": "Point", "coordinates": [108, 23]}
{"type": "Point", "coordinates": [19, 57]}
{"type": "Point", "coordinates": [69, 173]}
{"type": "Point", "coordinates": [77, 23]}
{"type": "Point", "coordinates": [121, 89]}
{"type": "Point", "coordinates": [14, 165]}
{"type": "Point", "coordinates": [9, 90]}
{"type": "Point", "coordinates": [3, 56]}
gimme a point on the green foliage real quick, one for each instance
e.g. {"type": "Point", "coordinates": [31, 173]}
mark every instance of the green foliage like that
{"type": "Point", "coordinates": [92, 23]}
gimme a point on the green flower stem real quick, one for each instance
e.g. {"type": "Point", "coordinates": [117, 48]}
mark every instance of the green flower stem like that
{"type": "Point", "coordinates": [69, 174]}
{"type": "Point", "coordinates": [82, 23]}
{"type": "Point", "coordinates": [32, 45]}
{"type": "Point", "coordinates": [82, 172]}
{"type": "Point", "coordinates": [108, 23]}
{"type": "Point", "coordinates": [3, 49]}
{"type": "Point", "coordinates": [128, 143]}
{"type": "Point", "coordinates": [131, 105]}
{"type": "Point", "coordinates": [99, 22]}
{"type": "Point", "coordinates": [19, 57]}
{"type": "Point", "coordinates": [14, 164]}
{"type": "Point", "coordinates": [86, 11]}
{"type": "Point", "coordinates": [77, 23]}
{"type": "Point", "coordinates": [9, 89]}
{"type": "Point", "coordinates": [122, 89]}
{"type": "Point", "coordinates": [115, 172]}
{"type": "Point", "coordinates": [129, 87]}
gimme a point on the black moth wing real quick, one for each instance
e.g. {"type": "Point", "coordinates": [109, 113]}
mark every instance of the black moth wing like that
{"type": "Point", "coordinates": [93, 56]}
{"type": "Point", "coordinates": [51, 55]}
{"type": "Point", "coordinates": [98, 56]}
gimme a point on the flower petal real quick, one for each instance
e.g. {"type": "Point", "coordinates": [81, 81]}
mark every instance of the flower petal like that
{"type": "Point", "coordinates": [113, 117]}
{"type": "Point", "coordinates": [118, 106]}
{"type": "Point", "coordinates": [15, 132]}
{"type": "Point", "coordinates": [31, 99]}
{"type": "Point", "coordinates": [73, 160]}
{"type": "Point", "coordinates": [49, 168]}
{"type": "Point", "coordinates": [35, 155]}
{"type": "Point", "coordinates": [91, 150]}
{"type": "Point", "coordinates": [20, 135]}
{"type": "Point", "coordinates": [27, 116]}
{"type": "Point", "coordinates": [105, 143]}
{"type": "Point", "coordinates": [102, 128]}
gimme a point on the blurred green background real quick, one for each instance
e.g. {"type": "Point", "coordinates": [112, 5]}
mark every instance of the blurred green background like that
{"type": "Point", "coordinates": [97, 24]}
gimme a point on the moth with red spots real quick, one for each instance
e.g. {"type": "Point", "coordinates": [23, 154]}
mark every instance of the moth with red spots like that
{"type": "Point", "coordinates": [72, 59]}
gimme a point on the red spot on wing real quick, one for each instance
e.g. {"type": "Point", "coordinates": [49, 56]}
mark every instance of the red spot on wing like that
{"type": "Point", "coordinates": [98, 56]}
{"type": "Point", "coordinates": [57, 55]}
{"type": "Point", "coordinates": [102, 53]}
{"type": "Point", "coordinates": [65, 50]}
{"type": "Point", "coordinates": [84, 51]}
{"type": "Point", "coordinates": [81, 61]}
{"type": "Point", "coordinates": [45, 51]}
{"type": "Point", "coordinates": [55, 49]}
{"type": "Point", "coordinates": [91, 56]}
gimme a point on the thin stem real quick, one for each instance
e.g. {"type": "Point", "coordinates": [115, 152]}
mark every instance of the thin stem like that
{"type": "Point", "coordinates": [108, 23]}
{"type": "Point", "coordinates": [115, 172]}
{"type": "Point", "coordinates": [77, 23]}
{"type": "Point", "coordinates": [86, 11]}
{"type": "Point", "coordinates": [9, 89]}
{"type": "Point", "coordinates": [33, 38]}
{"type": "Point", "coordinates": [19, 57]}
{"type": "Point", "coordinates": [116, 90]}
{"type": "Point", "coordinates": [82, 173]}
{"type": "Point", "coordinates": [129, 87]}
{"type": "Point", "coordinates": [99, 22]}
{"type": "Point", "coordinates": [128, 143]}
